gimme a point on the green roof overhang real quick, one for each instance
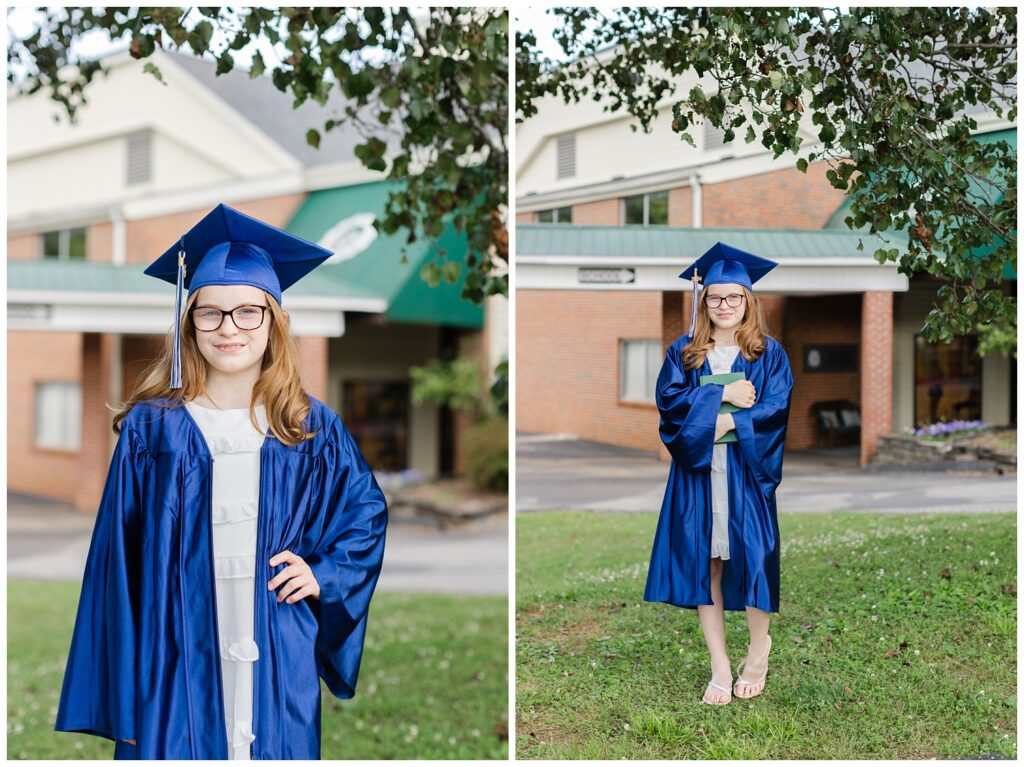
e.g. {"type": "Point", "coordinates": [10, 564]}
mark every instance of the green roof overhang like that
{"type": "Point", "coordinates": [378, 268]}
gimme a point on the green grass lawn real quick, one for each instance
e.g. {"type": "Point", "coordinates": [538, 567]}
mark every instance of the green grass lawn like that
{"type": "Point", "coordinates": [433, 683]}
{"type": "Point", "coordinates": [896, 640]}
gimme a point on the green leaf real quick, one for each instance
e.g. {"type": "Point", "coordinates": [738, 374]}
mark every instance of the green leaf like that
{"type": "Point", "coordinates": [258, 66]}
{"type": "Point", "coordinates": [452, 270]}
{"type": "Point", "coordinates": [801, 165]}
{"type": "Point", "coordinates": [313, 138]}
{"type": "Point", "coordinates": [225, 63]}
{"type": "Point", "coordinates": [151, 68]}
{"type": "Point", "coordinates": [430, 273]}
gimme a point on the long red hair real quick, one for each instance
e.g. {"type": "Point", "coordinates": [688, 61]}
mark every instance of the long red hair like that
{"type": "Point", "coordinates": [750, 334]}
{"type": "Point", "coordinates": [279, 384]}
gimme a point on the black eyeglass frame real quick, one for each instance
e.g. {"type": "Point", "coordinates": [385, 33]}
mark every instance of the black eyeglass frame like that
{"type": "Point", "coordinates": [223, 314]}
{"type": "Point", "coordinates": [718, 300]}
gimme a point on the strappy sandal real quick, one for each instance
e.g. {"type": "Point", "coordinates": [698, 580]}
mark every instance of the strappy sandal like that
{"type": "Point", "coordinates": [727, 690]}
{"type": "Point", "coordinates": [740, 680]}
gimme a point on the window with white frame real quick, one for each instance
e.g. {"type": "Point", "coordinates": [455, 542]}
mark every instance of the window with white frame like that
{"type": "Point", "coordinates": [639, 364]}
{"type": "Point", "coordinates": [58, 411]}
{"type": "Point", "coordinates": [650, 209]}
{"type": "Point", "coordinates": [64, 243]}
{"type": "Point", "coordinates": [555, 215]}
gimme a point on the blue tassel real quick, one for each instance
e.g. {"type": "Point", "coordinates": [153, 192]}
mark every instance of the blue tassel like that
{"type": "Point", "coordinates": [693, 304]}
{"type": "Point", "coordinates": [179, 292]}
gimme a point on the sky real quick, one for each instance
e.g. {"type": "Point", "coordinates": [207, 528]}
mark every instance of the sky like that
{"type": "Point", "coordinates": [23, 20]}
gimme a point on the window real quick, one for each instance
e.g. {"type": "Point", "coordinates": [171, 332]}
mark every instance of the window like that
{"type": "Point", "coordinates": [140, 158]}
{"type": "Point", "coordinates": [58, 411]}
{"type": "Point", "coordinates": [639, 364]}
{"type": "Point", "coordinates": [947, 381]}
{"type": "Point", "coordinates": [555, 216]}
{"type": "Point", "coordinates": [377, 415]}
{"type": "Point", "coordinates": [565, 151]}
{"type": "Point", "coordinates": [64, 243]}
{"type": "Point", "coordinates": [649, 209]}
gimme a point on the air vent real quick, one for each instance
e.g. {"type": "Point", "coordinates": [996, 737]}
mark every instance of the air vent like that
{"type": "Point", "coordinates": [140, 157]}
{"type": "Point", "coordinates": [714, 138]}
{"type": "Point", "coordinates": [566, 148]}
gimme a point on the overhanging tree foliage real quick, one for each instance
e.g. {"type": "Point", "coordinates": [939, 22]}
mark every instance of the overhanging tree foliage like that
{"type": "Point", "coordinates": [891, 93]}
{"type": "Point", "coordinates": [439, 81]}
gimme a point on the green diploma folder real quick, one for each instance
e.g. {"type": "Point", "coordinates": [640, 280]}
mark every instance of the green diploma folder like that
{"type": "Point", "coordinates": [727, 407]}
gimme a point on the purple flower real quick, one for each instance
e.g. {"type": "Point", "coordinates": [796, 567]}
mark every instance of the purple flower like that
{"type": "Point", "coordinates": [944, 429]}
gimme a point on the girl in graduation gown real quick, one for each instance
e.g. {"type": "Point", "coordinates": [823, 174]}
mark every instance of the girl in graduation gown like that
{"type": "Point", "coordinates": [147, 665]}
{"type": "Point", "coordinates": [717, 542]}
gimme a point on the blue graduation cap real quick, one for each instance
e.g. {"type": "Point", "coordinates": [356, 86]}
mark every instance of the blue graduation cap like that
{"type": "Point", "coordinates": [724, 264]}
{"type": "Point", "coordinates": [228, 247]}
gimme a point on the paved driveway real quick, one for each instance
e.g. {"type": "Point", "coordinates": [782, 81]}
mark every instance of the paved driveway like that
{"type": "Point", "coordinates": [49, 541]}
{"type": "Point", "coordinates": [564, 473]}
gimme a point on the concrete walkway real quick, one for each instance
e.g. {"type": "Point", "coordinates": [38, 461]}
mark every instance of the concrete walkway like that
{"type": "Point", "coordinates": [561, 472]}
{"type": "Point", "coordinates": [48, 540]}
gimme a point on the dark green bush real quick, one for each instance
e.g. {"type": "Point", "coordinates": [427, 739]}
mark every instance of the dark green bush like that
{"type": "Point", "coordinates": [487, 454]}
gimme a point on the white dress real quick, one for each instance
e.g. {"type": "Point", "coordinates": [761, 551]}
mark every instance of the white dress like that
{"type": "Point", "coordinates": [235, 446]}
{"type": "Point", "coordinates": [720, 358]}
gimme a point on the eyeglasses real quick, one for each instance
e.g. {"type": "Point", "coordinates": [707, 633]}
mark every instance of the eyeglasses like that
{"type": "Point", "coordinates": [247, 317]}
{"type": "Point", "coordinates": [733, 300]}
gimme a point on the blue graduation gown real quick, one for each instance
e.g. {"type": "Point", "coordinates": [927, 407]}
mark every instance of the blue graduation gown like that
{"type": "Point", "coordinates": [680, 568]}
{"type": "Point", "coordinates": [144, 662]}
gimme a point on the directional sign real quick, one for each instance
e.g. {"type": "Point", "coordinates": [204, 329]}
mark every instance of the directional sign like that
{"type": "Point", "coordinates": [589, 276]}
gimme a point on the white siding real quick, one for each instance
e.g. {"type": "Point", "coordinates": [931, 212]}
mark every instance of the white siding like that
{"type": "Point", "coordinates": [198, 140]}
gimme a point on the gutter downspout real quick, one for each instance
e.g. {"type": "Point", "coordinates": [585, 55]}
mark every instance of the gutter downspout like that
{"type": "Point", "coordinates": [118, 237]}
{"type": "Point", "coordinates": [698, 201]}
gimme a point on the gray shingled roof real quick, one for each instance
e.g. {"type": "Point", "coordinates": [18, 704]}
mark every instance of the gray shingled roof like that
{"type": "Point", "coordinates": [270, 111]}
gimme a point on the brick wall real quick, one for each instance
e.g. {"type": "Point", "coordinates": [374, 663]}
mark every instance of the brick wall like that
{"type": "Point", "coordinates": [94, 455]}
{"type": "Point", "coordinates": [782, 199]}
{"type": "Point", "coordinates": [529, 217]}
{"type": "Point", "coordinates": [147, 239]}
{"type": "Point", "coordinates": [23, 246]}
{"type": "Point", "coordinates": [600, 213]}
{"type": "Point", "coordinates": [35, 357]}
{"type": "Point", "coordinates": [680, 206]}
{"type": "Point", "coordinates": [313, 363]}
{"type": "Point", "coordinates": [876, 371]}
{"type": "Point", "coordinates": [809, 321]}
{"type": "Point", "coordinates": [567, 364]}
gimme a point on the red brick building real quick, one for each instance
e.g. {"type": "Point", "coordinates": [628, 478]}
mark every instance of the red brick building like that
{"type": "Point", "coordinates": [606, 220]}
{"type": "Point", "coordinates": [90, 205]}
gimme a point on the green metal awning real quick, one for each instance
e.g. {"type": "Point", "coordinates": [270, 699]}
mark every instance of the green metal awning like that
{"type": "Point", "coordinates": [678, 244]}
{"type": "Point", "coordinates": [325, 217]}
{"type": "Point", "coordinates": [108, 280]}
{"type": "Point", "coordinates": [1009, 135]}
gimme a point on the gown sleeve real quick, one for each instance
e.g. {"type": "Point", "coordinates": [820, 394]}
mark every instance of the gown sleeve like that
{"type": "Point", "coordinates": [98, 696]}
{"type": "Point", "coordinates": [761, 429]}
{"type": "Point", "coordinates": [346, 562]}
{"type": "Point", "coordinates": [689, 414]}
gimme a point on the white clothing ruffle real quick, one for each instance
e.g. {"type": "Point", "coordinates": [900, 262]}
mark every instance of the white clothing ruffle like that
{"type": "Point", "coordinates": [243, 649]}
{"type": "Point", "coordinates": [235, 512]}
{"type": "Point", "coordinates": [235, 567]}
{"type": "Point", "coordinates": [721, 360]}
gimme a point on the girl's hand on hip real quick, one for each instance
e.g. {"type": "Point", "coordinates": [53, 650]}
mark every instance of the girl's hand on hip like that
{"type": "Point", "coordinates": [132, 741]}
{"type": "Point", "coordinates": [740, 393]}
{"type": "Point", "coordinates": [297, 578]}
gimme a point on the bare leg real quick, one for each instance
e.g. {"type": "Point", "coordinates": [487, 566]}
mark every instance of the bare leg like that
{"type": "Point", "coordinates": [712, 620]}
{"type": "Point", "coordinates": [757, 653]}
